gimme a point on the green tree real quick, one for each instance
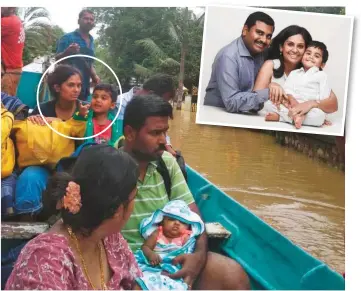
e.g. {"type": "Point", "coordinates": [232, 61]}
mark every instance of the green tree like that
{"type": "Point", "coordinates": [39, 33]}
{"type": "Point", "coordinates": [121, 27]}
{"type": "Point", "coordinates": [182, 32]}
{"type": "Point", "coordinates": [185, 29]}
{"type": "Point", "coordinates": [142, 41]}
{"type": "Point", "coordinates": [327, 10]}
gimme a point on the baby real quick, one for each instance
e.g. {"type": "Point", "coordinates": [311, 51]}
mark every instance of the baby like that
{"type": "Point", "coordinates": [172, 232]}
{"type": "Point", "coordinates": [308, 84]}
{"type": "Point", "coordinates": [168, 233]}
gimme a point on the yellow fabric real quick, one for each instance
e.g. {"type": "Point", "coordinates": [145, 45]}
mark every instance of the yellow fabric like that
{"type": "Point", "coordinates": [40, 145]}
{"type": "Point", "coordinates": [7, 145]}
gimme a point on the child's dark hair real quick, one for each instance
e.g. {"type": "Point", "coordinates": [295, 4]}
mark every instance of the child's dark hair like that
{"type": "Point", "coordinates": [320, 45]}
{"type": "Point", "coordinates": [160, 84]}
{"type": "Point", "coordinates": [140, 108]}
{"type": "Point", "coordinates": [106, 178]}
{"type": "Point", "coordinates": [107, 88]}
{"type": "Point", "coordinates": [60, 74]}
{"type": "Point", "coordinates": [259, 16]}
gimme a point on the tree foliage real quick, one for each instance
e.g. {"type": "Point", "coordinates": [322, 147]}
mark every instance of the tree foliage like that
{"type": "Point", "coordinates": [40, 34]}
{"type": "Point", "coordinates": [142, 41]}
{"type": "Point", "coordinates": [327, 10]}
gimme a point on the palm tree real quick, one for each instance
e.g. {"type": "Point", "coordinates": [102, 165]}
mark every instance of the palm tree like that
{"type": "Point", "coordinates": [163, 63]}
{"type": "Point", "coordinates": [39, 32]}
{"type": "Point", "coordinates": [180, 29]}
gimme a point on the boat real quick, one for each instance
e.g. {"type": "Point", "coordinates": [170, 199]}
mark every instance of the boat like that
{"type": "Point", "coordinates": [271, 260]}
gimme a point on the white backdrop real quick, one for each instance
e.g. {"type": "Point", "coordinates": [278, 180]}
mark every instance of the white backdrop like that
{"type": "Point", "coordinates": [224, 24]}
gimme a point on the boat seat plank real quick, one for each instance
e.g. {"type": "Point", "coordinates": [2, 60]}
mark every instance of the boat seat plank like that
{"type": "Point", "coordinates": [217, 230]}
{"type": "Point", "coordinates": [27, 230]}
{"type": "Point", "coordinates": [22, 230]}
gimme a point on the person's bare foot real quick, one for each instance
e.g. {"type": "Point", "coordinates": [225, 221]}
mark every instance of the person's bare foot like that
{"type": "Point", "coordinates": [298, 120]}
{"type": "Point", "coordinates": [327, 123]}
{"type": "Point", "coordinates": [272, 116]}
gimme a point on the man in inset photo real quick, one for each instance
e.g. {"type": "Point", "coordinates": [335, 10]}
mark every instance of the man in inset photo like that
{"type": "Point", "coordinates": [236, 66]}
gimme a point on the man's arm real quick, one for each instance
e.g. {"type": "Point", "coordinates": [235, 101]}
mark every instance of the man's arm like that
{"type": "Point", "coordinates": [192, 264]}
{"type": "Point", "coordinates": [228, 84]}
{"type": "Point", "coordinates": [202, 241]}
{"type": "Point", "coordinates": [65, 48]}
{"type": "Point", "coordinates": [94, 75]}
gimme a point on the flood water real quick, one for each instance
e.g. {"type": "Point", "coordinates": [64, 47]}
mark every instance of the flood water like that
{"type": "Point", "coordinates": [302, 198]}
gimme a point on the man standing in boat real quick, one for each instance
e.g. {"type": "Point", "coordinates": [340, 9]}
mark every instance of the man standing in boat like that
{"type": "Point", "coordinates": [236, 66]}
{"type": "Point", "coordinates": [12, 47]}
{"type": "Point", "coordinates": [80, 41]}
{"type": "Point", "coordinates": [145, 126]}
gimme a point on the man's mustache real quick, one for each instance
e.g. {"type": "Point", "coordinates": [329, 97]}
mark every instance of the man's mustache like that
{"type": "Point", "coordinates": [161, 147]}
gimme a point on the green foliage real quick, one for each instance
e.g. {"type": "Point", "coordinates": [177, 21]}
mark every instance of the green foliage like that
{"type": "Point", "coordinates": [40, 35]}
{"type": "Point", "coordinates": [327, 10]}
{"type": "Point", "coordinates": [141, 41]}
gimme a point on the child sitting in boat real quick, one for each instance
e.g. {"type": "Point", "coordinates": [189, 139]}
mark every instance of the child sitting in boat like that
{"type": "Point", "coordinates": [303, 85]}
{"type": "Point", "coordinates": [100, 116]}
{"type": "Point", "coordinates": [168, 233]}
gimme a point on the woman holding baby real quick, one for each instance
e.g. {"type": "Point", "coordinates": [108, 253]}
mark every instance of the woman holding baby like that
{"type": "Point", "coordinates": [286, 55]}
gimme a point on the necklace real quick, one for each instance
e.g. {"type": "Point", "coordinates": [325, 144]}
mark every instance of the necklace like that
{"type": "Point", "coordinates": [85, 269]}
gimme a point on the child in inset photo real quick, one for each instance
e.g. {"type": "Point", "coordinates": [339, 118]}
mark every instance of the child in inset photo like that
{"type": "Point", "coordinates": [308, 83]}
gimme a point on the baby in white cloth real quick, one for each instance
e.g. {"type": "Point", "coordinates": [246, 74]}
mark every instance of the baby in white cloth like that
{"type": "Point", "coordinates": [308, 83]}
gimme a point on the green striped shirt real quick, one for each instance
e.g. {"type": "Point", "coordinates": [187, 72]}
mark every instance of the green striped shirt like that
{"type": "Point", "coordinates": [152, 195]}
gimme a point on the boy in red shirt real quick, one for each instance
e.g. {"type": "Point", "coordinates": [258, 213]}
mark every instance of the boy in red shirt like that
{"type": "Point", "coordinates": [12, 46]}
{"type": "Point", "coordinates": [101, 115]}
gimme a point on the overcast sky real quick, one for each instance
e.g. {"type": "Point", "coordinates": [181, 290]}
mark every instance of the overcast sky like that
{"type": "Point", "coordinates": [67, 18]}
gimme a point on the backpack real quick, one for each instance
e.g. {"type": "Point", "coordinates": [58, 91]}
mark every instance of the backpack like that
{"type": "Point", "coordinates": [163, 171]}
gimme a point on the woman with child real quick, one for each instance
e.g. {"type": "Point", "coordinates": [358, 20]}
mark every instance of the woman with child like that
{"type": "Point", "coordinates": [71, 119]}
{"type": "Point", "coordinates": [285, 55]}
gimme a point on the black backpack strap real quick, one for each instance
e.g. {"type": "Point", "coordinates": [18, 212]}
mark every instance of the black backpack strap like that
{"type": "Point", "coordinates": [182, 164]}
{"type": "Point", "coordinates": [163, 171]}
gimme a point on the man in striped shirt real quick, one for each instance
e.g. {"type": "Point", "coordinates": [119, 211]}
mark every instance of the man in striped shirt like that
{"type": "Point", "coordinates": [145, 126]}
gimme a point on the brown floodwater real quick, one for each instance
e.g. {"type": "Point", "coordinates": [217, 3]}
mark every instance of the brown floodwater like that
{"type": "Point", "coordinates": [302, 198]}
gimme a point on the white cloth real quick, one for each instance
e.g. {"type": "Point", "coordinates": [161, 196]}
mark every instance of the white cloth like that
{"type": "Point", "coordinates": [307, 85]}
{"type": "Point", "coordinates": [126, 98]}
{"type": "Point", "coordinates": [280, 81]}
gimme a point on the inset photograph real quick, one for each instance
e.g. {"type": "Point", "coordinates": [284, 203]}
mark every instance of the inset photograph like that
{"type": "Point", "coordinates": [274, 69]}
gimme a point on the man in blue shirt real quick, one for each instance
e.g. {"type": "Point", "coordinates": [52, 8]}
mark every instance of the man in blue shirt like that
{"type": "Point", "coordinates": [80, 42]}
{"type": "Point", "coordinates": [236, 66]}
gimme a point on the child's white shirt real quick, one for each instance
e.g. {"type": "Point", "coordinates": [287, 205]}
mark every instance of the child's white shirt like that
{"type": "Point", "coordinates": [307, 85]}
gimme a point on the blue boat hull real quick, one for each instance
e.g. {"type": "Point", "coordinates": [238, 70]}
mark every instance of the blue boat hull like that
{"type": "Point", "coordinates": [270, 259]}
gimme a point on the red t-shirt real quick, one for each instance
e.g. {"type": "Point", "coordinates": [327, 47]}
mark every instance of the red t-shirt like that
{"type": "Point", "coordinates": [105, 136]}
{"type": "Point", "coordinates": [12, 42]}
